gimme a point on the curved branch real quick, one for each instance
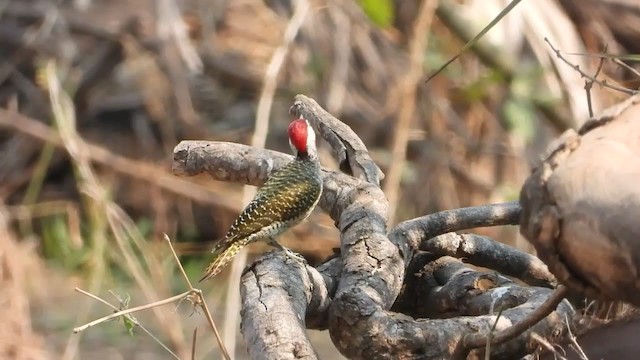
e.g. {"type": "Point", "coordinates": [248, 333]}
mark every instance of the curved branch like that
{"type": "Point", "coordinates": [353, 156]}
{"type": "Point", "coordinates": [426, 227]}
{"type": "Point", "coordinates": [277, 294]}
{"type": "Point", "coordinates": [486, 252]}
{"type": "Point", "coordinates": [452, 289]}
{"type": "Point", "coordinates": [243, 164]}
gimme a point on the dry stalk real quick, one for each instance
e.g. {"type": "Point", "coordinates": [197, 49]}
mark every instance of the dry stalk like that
{"type": "Point", "coordinates": [193, 295]}
{"type": "Point", "coordinates": [120, 164]}
{"type": "Point", "coordinates": [105, 215]}
{"type": "Point", "coordinates": [417, 48]}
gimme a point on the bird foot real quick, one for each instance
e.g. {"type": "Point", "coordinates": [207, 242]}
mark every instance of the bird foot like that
{"type": "Point", "coordinates": [295, 256]}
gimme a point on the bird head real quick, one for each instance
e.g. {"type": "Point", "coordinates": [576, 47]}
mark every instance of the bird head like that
{"type": "Point", "coordinates": [302, 139]}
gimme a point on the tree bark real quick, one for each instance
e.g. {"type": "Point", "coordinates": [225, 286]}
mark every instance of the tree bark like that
{"type": "Point", "coordinates": [581, 206]}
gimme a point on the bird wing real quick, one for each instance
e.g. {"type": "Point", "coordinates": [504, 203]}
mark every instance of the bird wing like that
{"type": "Point", "coordinates": [282, 198]}
{"type": "Point", "coordinates": [288, 195]}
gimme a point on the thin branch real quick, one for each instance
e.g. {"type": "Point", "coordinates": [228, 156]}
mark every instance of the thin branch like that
{"type": "Point", "coordinates": [626, 66]}
{"type": "Point", "coordinates": [471, 43]}
{"type": "Point", "coordinates": [175, 257]}
{"type": "Point", "coordinates": [602, 83]}
{"type": "Point", "coordinates": [545, 344]}
{"type": "Point", "coordinates": [209, 318]}
{"type": "Point", "coordinates": [472, 341]}
{"type": "Point", "coordinates": [131, 318]}
{"type": "Point", "coordinates": [420, 229]}
{"type": "Point", "coordinates": [493, 57]}
{"type": "Point", "coordinates": [574, 343]}
{"type": "Point", "coordinates": [487, 354]}
{"type": "Point", "coordinates": [132, 310]}
{"type": "Point", "coordinates": [194, 343]}
{"type": "Point", "coordinates": [200, 301]}
{"type": "Point", "coordinates": [588, 84]}
{"type": "Point", "coordinates": [97, 298]}
{"type": "Point", "coordinates": [194, 295]}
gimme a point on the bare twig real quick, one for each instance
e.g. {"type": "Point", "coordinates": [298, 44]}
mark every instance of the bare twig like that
{"type": "Point", "coordinates": [583, 74]}
{"type": "Point", "coordinates": [175, 298]}
{"type": "Point", "coordinates": [626, 66]}
{"type": "Point", "coordinates": [588, 84]}
{"type": "Point", "coordinates": [477, 37]}
{"type": "Point", "coordinates": [193, 346]}
{"type": "Point", "coordinates": [258, 139]}
{"type": "Point", "coordinates": [487, 354]}
{"type": "Point", "coordinates": [194, 295]}
{"type": "Point", "coordinates": [212, 324]}
{"type": "Point", "coordinates": [545, 344]}
{"type": "Point", "coordinates": [175, 257]}
{"type": "Point", "coordinates": [131, 318]}
{"type": "Point", "coordinates": [491, 57]}
{"type": "Point", "coordinates": [574, 343]}
{"type": "Point", "coordinates": [472, 341]}
{"type": "Point", "coordinates": [97, 298]}
{"type": "Point", "coordinates": [201, 302]}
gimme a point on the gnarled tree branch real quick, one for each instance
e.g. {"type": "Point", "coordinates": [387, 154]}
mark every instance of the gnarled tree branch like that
{"type": "Point", "coordinates": [351, 295]}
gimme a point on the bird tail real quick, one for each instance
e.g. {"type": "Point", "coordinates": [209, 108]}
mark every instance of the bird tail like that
{"type": "Point", "coordinates": [222, 255]}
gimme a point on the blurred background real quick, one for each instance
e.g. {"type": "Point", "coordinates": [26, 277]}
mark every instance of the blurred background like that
{"type": "Point", "coordinates": [98, 92]}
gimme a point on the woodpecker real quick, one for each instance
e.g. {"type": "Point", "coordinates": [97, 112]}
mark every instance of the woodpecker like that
{"type": "Point", "coordinates": [285, 199]}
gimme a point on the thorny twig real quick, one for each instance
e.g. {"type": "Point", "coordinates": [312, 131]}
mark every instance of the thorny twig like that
{"type": "Point", "coordinates": [602, 83]}
{"type": "Point", "coordinates": [588, 84]}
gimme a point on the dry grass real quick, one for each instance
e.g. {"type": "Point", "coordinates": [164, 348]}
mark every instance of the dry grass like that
{"type": "Point", "coordinates": [18, 263]}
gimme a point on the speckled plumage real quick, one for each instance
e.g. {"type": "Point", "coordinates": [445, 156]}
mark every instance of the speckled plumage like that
{"type": "Point", "coordinates": [286, 198]}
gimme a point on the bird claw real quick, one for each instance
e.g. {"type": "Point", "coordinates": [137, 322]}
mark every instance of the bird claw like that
{"type": "Point", "coordinates": [295, 256]}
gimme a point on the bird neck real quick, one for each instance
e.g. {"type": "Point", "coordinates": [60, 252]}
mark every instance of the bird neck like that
{"type": "Point", "coordinates": [307, 156]}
